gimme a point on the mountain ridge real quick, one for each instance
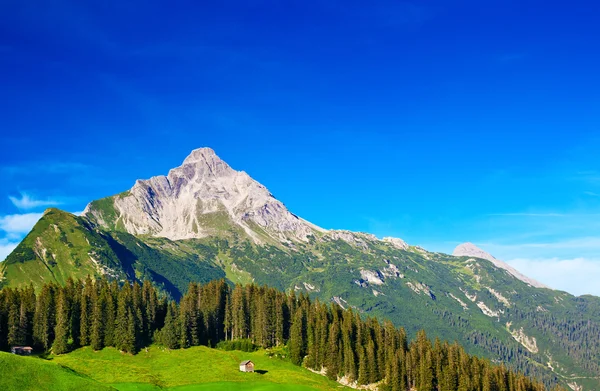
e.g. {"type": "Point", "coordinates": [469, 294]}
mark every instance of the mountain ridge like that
{"type": "Point", "coordinates": [469, 249]}
{"type": "Point", "coordinates": [248, 236]}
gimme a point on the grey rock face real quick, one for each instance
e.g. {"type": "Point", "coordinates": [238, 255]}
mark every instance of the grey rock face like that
{"type": "Point", "coordinates": [173, 206]}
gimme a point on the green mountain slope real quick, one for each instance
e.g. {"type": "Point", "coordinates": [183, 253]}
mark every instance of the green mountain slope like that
{"type": "Point", "coordinates": [457, 298]}
{"type": "Point", "coordinates": [205, 221]}
{"type": "Point", "coordinates": [62, 245]}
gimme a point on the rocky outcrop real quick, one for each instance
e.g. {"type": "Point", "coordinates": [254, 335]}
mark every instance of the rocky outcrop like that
{"type": "Point", "coordinates": [470, 250]}
{"type": "Point", "coordinates": [176, 206]}
{"type": "Point", "coordinates": [356, 239]}
{"type": "Point", "coordinates": [396, 242]}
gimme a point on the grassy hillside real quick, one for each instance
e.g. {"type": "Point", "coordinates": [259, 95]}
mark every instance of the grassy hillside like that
{"type": "Point", "coordinates": [197, 368]}
{"type": "Point", "coordinates": [59, 246]}
{"type": "Point", "coordinates": [31, 373]}
{"type": "Point", "coordinates": [62, 245]}
{"type": "Point", "coordinates": [486, 309]}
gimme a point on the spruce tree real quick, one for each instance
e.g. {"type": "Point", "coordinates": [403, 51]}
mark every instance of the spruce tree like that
{"type": "Point", "coordinates": [426, 372]}
{"type": "Point", "coordinates": [122, 337]}
{"type": "Point", "coordinates": [61, 340]}
{"type": "Point", "coordinates": [86, 313]}
{"type": "Point", "coordinates": [170, 332]}
{"type": "Point", "coordinates": [333, 359]}
{"type": "Point", "coordinates": [296, 342]}
{"type": "Point", "coordinates": [98, 321]}
{"type": "Point", "coordinates": [44, 318]}
{"type": "Point", "coordinates": [15, 333]}
{"type": "Point", "coordinates": [363, 366]}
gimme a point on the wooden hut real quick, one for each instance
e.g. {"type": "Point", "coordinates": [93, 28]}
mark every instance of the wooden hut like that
{"type": "Point", "coordinates": [21, 350]}
{"type": "Point", "coordinates": [247, 366]}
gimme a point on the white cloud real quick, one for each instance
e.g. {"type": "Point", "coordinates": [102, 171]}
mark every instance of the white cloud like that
{"type": "Point", "coordinates": [529, 214]}
{"type": "Point", "coordinates": [6, 248]}
{"type": "Point", "coordinates": [578, 276]}
{"type": "Point", "coordinates": [28, 202]}
{"type": "Point", "coordinates": [19, 223]}
{"type": "Point", "coordinates": [572, 248]}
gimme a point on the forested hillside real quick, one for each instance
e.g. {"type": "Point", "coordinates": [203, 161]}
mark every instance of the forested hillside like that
{"type": "Point", "coordinates": [327, 338]}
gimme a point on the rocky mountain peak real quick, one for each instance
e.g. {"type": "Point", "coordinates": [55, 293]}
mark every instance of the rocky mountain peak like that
{"type": "Point", "coordinates": [204, 154]}
{"type": "Point", "coordinates": [194, 200]}
{"type": "Point", "coordinates": [471, 250]}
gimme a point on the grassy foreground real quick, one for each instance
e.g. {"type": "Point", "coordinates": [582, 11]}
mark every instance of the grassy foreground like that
{"type": "Point", "coordinates": [31, 373]}
{"type": "Point", "coordinates": [198, 368]}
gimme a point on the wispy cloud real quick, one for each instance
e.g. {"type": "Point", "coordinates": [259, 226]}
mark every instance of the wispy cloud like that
{"type": "Point", "coordinates": [577, 276]}
{"type": "Point", "coordinates": [590, 176]}
{"type": "Point", "coordinates": [582, 243]}
{"type": "Point", "coordinates": [530, 214]}
{"type": "Point", "coordinates": [18, 224]}
{"type": "Point", "coordinates": [591, 194]}
{"type": "Point", "coordinates": [28, 202]}
{"type": "Point", "coordinates": [35, 168]}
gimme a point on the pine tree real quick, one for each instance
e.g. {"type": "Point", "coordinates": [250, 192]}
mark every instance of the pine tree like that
{"type": "Point", "coordinates": [61, 340]}
{"type": "Point", "coordinates": [371, 362]}
{"type": "Point", "coordinates": [15, 332]}
{"type": "Point", "coordinates": [228, 322]}
{"type": "Point", "coordinates": [129, 343]}
{"type": "Point", "coordinates": [297, 342]}
{"type": "Point", "coordinates": [86, 312]}
{"type": "Point", "coordinates": [109, 316]}
{"type": "Point", "coordinates": [426, 372]}
{"type": "Point", "coordinates": [363, 366]}
{"type": "Point", "coordinates": [170, 332]}
{"type": "Point", "coordinates": [73, 291]}
{"type": "Point", "coordinates": [98, 321]}
{"type": "Point", "coordinates": [124, 324]}
{"type": "Point", "coordinates": [240, 315]}
{"type": "Point", "coordinates": [150, 304]}
{"type": "Point", "coordinates": [333, 359]}
{"type": "Point", "coordinates": [279, 320]}
{"type": "Point", "coordinates": [44, 318]}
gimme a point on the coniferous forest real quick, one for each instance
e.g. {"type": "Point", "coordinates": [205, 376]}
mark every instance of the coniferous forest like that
{"type": "Point", "coordinates": [322, 337]}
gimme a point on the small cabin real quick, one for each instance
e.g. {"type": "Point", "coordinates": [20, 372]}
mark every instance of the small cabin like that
{"type": "Point", "coordinates": [21, 350]}
{"type": "Point", "coordinates": [247, 366]}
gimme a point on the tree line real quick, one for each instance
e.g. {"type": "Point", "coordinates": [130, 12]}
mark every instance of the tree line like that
{"type": "Point", "coordinates": [323, 337]}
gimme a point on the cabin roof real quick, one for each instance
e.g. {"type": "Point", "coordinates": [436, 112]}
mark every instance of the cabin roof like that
{"type": "Point", "coordinates": [245, 362]}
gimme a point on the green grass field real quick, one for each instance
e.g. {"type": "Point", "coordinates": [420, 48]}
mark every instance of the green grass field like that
{"type": "Point", "coordinates": [197, 368]}
{"type": "Point", "coordinates": [32, 373]}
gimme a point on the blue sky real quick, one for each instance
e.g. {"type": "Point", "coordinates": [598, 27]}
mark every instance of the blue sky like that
{"type": "Point", "coordinates": [438, 122]}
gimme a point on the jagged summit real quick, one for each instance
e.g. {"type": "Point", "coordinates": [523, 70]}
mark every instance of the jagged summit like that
{"type": "Point", "coordinates": [207, 159]}
{"type": "Point", "coordinates": [201, 154]}
{"type": "Point", "coordinates": [471, 250]}
{"type": "Point", "coordinates": [195, 199]}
